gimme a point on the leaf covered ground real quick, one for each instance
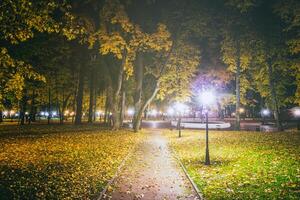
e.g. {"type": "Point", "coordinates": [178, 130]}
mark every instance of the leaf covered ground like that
{"type": "Point", "coordinates": [244, 165]}
{"type": "Point", "coordinates": [58, 162]}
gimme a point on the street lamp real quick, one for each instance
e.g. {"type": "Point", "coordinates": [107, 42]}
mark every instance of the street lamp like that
{"type": "Point", "coordinates": [207, 98]}
{"type": "Point", "coordinates": [180, 108]}
{"type": "Point", "coordinates": [130, 113]}
{"type": "Point", "coordinates": [296, 113]}
{"type": "Point", "coordinates": [170, 112]}
{"type": "Point", "coordinates": [265, 113]}
{"type": "Point", "coordinates": [242, 110]}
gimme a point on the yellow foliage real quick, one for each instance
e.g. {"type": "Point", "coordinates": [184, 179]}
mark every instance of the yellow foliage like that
{"type": "Point", "coordinates": [13, 74]}
{"type": "Point", "coordinates": [119, 36]}
{"type": "Point", "coordinates": [74, 165]}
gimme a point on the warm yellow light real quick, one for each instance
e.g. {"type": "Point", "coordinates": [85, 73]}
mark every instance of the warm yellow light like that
{"type": "Point", "coordinates": [67, 112]}
{"type": "Point", "coordinates": [242, 110]}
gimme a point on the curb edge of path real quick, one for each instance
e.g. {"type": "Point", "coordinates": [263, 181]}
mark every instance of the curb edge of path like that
{"type": "Point", "coordinates": [197, 190]}
{"type": "Point", "coordinates": [110, 182]}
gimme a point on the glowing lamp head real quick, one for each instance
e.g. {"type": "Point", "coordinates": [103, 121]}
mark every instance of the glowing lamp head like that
{"type": "Point", "coordinates": [66, 112]}
{"type": "Point", "coordinates": [170, 111]}
{"type": "Point", "coordinates": [296, 112]}
{"type": "Point", "coordinates": [180, 107]}
{"type": "Point", "coordinates": [99, 112]}
{"type": "Point", "coordinates": [153, 112]}
{"type": "Point", "coordinates": [130, 111]}
{"type": "Point", "coordinates": [242, 110]}
{"type": "Point", "coordinates": [265, 112]}
{"type": "Point", "coordinates": [207, 98]}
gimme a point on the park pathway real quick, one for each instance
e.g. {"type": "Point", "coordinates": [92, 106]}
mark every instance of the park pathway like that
{"type": "Point", "coordinates": [152, 173]}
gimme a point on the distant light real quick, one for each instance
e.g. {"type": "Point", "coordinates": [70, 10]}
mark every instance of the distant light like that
{"type": "Point", "coordinates": [153, 112]}
{"type": "Point", "coordinates": [233, 114]}
{"type": "Point", "coordinates": [99, 112]}
{"type": "Point", "coordinates": [296, 112]}
{"type": "Point", "coordinates": [205, 111]}
{"type": "Point", "coordinates": [12, 112]}
{"type": "Point", "coordinates": [130, 111]}
{"type": "Point", "coordinates": [66, 112]}
{"type": "Point", "coordinates": [242, 110]}
{"type": "Point", "coordinates": [26, 113]}
{"type": "Point", "coordinates": [265, 112]}
{"type": "Point", "coordinates": [207, 97]}
{"type": "Point", "coordinates": [72, 113]}
{"type": "Point", "coordinates": [46, 114]}
{"type": "Point", "coordinates": [5, 113]}
{"type": "Point", "coordinates": [170, 111]}
{"type": "Point", "coordinates": [42, 113]}
{"type": "Point", "coordinates": [180, 107]}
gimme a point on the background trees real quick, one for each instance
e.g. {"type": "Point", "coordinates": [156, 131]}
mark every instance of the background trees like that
{"type": "Point", "coordinates": [77, 59]}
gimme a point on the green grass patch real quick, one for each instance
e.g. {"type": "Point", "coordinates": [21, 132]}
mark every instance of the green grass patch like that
{"type": "Point", "coordinates": [244, 165]}
{"type": "Point", "coordinates": [58, 162]}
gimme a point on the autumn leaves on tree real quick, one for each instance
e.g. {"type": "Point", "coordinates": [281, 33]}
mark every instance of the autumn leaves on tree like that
{"type": "Point", "coordinates": [80, 57]}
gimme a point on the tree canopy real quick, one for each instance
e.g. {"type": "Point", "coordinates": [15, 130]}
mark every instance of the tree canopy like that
{"type": "Point", "coordinates": [89, 56]}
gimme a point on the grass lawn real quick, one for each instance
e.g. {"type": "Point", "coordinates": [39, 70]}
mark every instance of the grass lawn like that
{"type": "Point", "coordinates": [244, 165]}
{"type": "Point", "coordinates": [58, 162]}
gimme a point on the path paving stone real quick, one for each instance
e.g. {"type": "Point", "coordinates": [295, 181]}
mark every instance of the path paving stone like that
{"type": "Point", "coordinates": [152, 173]}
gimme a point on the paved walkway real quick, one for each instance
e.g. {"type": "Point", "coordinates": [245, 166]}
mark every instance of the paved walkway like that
{"type": "Point", "coordinates": [152, 173]}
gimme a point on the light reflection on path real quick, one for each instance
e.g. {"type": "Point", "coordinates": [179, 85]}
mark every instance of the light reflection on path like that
{"type": "Point", "coordinates": [152, 173]}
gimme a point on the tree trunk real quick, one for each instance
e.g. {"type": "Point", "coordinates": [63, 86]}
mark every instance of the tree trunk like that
{"type": "Point", "coordinates": [63, 107]}
{"type": "Point", "coordinates": [79, 97]}
{"type": "Point", "coordinates": [91, 104]}
{"type": "Point", "coordinates": [237, 85]}
{"type": "Point", "coordinates": [61, 110]}
{"type": "Point", "coordinates": [1, 116]}
{"type": "Point", "coordinates": [49, 106]}
{"type": "Point", "coordinates": [74, 99]}
{"type": "Point", "coordinates": [144, 106]}
{"type": "Point", "coordinates": [32, 108]}
{"type": "Point", "coordinates": [123, 107]}
{"type": "Point", "coordinates": [115, 108]}
{"type": "Point", "coordinates": [95, 105]}
{"type": "Point", "coordinates": [106, 109]}
{"type": "Point", "coordinates": [274, 96]}
{"type": "Point", "coordinates": [220, 111]}
{"type": "Point", "coordinates": [139, 75]}
{"type": "Point", "coordinates": [23, 107]}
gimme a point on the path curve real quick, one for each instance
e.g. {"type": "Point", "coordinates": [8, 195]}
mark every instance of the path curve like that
{"type": "Point", "coordinates": [152, 173]}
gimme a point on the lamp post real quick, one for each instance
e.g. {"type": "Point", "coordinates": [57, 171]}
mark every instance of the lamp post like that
{"type": "Point", "coordinates": [207, 159]}
{"type": "Point", "coordinates": [130, 113]}
{"type": "Point", "coordinates": [242, 111]}
{"type": "Point", "coordinates": [180, 107]}
{"type": "Point", "coordinates": [207, 98]}
{"type": "Point", "coordinates": [265, 112]}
